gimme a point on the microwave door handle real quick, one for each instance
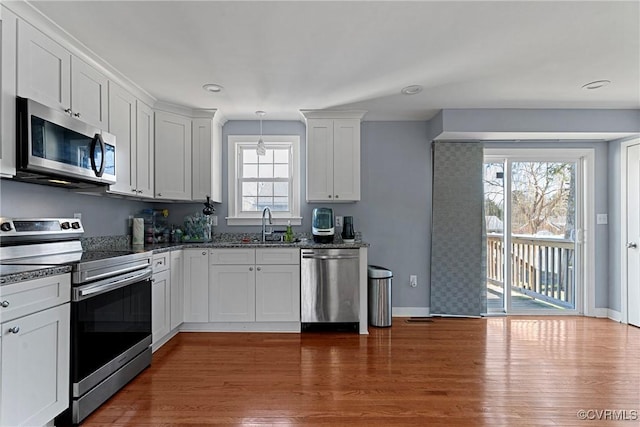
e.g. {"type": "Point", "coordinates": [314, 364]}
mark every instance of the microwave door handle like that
{"type": "Point", "coordinates": [98, 140]}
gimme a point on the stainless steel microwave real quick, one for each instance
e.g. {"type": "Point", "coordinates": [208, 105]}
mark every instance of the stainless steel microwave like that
{"type": "Point", "coordinates": [56, 149]}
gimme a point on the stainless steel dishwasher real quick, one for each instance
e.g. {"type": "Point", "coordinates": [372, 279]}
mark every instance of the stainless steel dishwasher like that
{"type": "Point", "coordinates": [330, 288]}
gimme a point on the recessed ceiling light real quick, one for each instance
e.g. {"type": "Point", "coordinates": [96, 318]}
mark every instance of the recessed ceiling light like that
{"type": "Point", "coordinates": [411, 90]}
{"type": "Point", "coordinates": [597, 84]}
{"type": "Point", "coordinates": [212, 87]}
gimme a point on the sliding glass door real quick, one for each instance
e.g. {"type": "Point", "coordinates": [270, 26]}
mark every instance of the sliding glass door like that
{"type": "Point", "coordinates": [533, 222]}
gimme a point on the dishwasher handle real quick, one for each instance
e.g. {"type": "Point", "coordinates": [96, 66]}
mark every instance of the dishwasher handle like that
{"type": "Point", "coordinates": [315, 256]}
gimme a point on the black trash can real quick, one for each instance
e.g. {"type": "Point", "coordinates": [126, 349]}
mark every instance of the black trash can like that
{"type": "Point", "coordinates": [379, 279]}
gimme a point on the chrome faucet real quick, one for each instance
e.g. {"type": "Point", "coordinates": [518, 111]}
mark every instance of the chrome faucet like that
{"type": "Point", "coordinates": [266, 233]}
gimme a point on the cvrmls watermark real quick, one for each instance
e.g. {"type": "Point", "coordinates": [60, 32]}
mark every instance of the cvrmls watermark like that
{"type": "Point", "coordinates": [608, 414]}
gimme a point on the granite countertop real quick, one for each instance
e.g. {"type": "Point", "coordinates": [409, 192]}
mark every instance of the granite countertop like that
{"type": "Point", "coordinates": [19, 273]}
{"type": "Point", "coordinates": [252, 243]}
{"type": "Point", "coordinates": [14, 273]}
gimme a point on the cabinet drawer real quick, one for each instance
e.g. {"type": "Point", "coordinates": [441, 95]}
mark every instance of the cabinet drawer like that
{"type": "Point", "coordinates": [278, 256]}
{"type": "Point", "coordinates": [161, 262]}
{"type": "Point", "coordinates": [232, 256]}
{"type": "Point", "coordinates": [34, 295]}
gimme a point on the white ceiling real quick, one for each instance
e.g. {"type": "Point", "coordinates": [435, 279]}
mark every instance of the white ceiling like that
{"type": "Point", "coordinates": [281, 57]}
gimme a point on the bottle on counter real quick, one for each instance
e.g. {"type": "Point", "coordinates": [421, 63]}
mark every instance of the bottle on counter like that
{"type": "Point", "coordinates": [288, 235]}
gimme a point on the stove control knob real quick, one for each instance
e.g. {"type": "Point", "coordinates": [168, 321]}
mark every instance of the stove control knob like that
{"type": "Point", "coordinates": [75, 225]}
{"type": "Point", "coordinates": [5, 226]}
{"type": "Point", "coordinates": [65, 225]}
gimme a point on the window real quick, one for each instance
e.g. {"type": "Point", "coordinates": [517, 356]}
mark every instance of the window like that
{"type": "Point", "coordinates": [256, 182]}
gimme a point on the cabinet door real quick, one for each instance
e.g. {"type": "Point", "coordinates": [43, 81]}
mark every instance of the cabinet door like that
{"type": "Point", "coordinates": [216, 162]}
{"type": "Point", "coordinates": [35, 367]}
{"type": "Point", "coordinates": [177, 290]}
{"type": "Point", "coordinates": [278, 293]}
{"type": "Point", "coordinates": [319, 160]}
{"type": "Point", "coordinates": [145, 149]}
{"type": "Point", "coordinates": [122, 124]}
{"type": "Point", "coordinates": [44, 68]}
{"type": "Point", "coordinates": [346, 160]}
{"type": "Point", "coordinates": [22, 298]}
{"type": "Point", "coordinates": [201, 173]}
{"type": "Point", "coordinates": [8, 52]}
{"type": "Point", "coordinates": [232, 293]}
{"type": "Point", "coordinates": [196, 285]}
{"type": "Point", "coordinates": [173, 156]}
{"type": "Point", "coordinates": [89, 94]}
{"type": "Point", "coordinates": [160, 305]}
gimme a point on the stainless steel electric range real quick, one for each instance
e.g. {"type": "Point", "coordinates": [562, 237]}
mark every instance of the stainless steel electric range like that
{"type": "Point", "coordinates": [110, 305]}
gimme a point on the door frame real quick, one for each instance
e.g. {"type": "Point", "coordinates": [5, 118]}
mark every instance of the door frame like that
{"type": "Point", "coordinates": [585, 302]}
{"type": "Point", "coordinates": [624, 254]}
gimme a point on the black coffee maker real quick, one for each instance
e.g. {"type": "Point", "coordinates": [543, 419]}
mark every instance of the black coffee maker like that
{"type": "Point", "coordinates": [348, 235]}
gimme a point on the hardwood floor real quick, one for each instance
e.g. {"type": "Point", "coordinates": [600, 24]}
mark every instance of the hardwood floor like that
{"type": "Point", "coordinates": [515, 371]}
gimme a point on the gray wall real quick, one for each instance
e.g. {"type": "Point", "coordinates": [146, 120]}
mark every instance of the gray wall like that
{"type": "Point", "coordinates": [101, 215]}
{"type": "Point", "coordinates": [394, 214]}
{"type": "Point", "coordinates": [601, 203]}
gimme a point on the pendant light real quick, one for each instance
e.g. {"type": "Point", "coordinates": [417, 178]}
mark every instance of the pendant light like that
{"type": "Point", "coordinates": [261, 150]}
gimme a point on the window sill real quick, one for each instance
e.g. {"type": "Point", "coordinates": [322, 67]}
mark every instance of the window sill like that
{"type": "Point", "coordinates": [258, 221]}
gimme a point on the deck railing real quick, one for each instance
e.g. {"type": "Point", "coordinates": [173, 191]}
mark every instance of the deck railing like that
{"type": "Point", "coordinates": [541, 267]}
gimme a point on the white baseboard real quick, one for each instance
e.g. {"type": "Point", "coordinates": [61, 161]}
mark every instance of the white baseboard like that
{"type": "Point", "coordinates": [600, 312]}
{"type": "Point", "coordinates": [410, 312]}
{"type": "Point", "coordinates": [614, 315]}
{"type": "Point", "coordinates": [607, 313]}
{"type": "Point", "coordinates": [241, 327]}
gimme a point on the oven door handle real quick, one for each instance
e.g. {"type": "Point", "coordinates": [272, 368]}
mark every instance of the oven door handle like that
{"type": "Point", "coordinates": [314, 256]}
{"type": "Point", "coordinates": [108, 285]}
{"type": "Point", "coordinates": [84, 277]}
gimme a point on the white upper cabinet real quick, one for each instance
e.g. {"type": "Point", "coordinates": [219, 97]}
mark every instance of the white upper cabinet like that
{"type": "Point", "coordinates": [8, 47]}
{"type": "Point", "coordinates": [207, 160]}
{"type": "Point", "coordinates": [145, 149]}
{"type": "Point", "coordinates": [333, 156]}
{"type": "Point", "coordinates": [47, 73]}
{"type": "Point", "coordinates": [44, 69]}
{"type": "Point", "coordinates": [131, 121]}
{"type": "Point", "coordinates": [173, 156]}
{"type": "Point", "coordinates": [88, 94]}
{"type": "Point", "coordinates": [122, 124]}
{"type": "Point", "coordinates": [319, 159]}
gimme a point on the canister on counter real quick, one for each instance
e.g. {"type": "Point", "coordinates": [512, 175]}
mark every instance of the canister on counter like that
{"type": "Point", "coordinates": [137, 231]}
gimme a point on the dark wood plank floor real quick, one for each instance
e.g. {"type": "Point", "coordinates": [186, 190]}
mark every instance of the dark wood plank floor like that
{"type": "Point", "coordinates": [514, 371]}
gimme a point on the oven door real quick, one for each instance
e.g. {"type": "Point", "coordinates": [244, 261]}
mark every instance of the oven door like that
{"type": "Point", "coordinates": [110, 325]}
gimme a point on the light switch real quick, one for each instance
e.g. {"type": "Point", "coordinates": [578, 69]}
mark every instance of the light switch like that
{"type": "Point", "coordinates": [602, 219]}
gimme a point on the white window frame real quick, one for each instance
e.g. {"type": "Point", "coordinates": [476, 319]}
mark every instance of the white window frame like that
{"type": "Point", "coordinates": [236, 216]}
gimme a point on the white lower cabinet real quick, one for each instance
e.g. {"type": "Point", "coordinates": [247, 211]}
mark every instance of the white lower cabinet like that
{"type": "Point", "coordinates": [196, 285]}
{"type": "Point", "coordinates": [278, 293]}
{"type": "Point", "coordinates": [34, 349]}
{"type": "Point", "coordinates": [232, 293]}
{"type": "Point", "coordinates": [177, 289]}
{"type": "Point", "coordinates": [254, 285]}
{"type": "Point", "coordinates": [160, 306]}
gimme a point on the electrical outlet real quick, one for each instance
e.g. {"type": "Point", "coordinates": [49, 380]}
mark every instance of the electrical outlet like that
{"type": "Point", "coordinates": [602, 219]}
{"type": "Point", "coordinates": [413, 280]}
{"type": "Point", "coordinates": [214, 220]}
{"type": "Point", "coordinates": [338, 221]}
